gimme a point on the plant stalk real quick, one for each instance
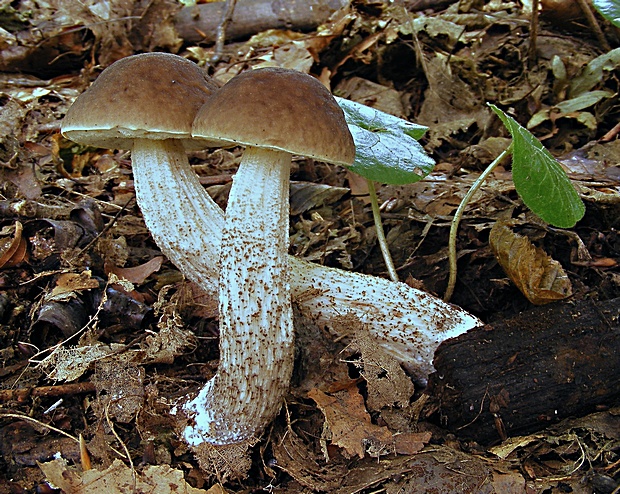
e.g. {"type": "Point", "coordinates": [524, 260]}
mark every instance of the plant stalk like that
{"type": "Point", "coordinates": [454, 226]}
{"type": "Point", "coordinates": [376, 214]}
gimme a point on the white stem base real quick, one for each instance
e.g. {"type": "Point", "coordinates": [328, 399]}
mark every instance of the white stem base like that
{"type": "Point", "coordinates": [256, 319]}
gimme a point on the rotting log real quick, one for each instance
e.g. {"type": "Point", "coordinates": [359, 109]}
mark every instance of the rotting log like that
{"type": "Point", "coordinates": [520, 375]}
{"type": "Point", "coordinates": [199, 23]}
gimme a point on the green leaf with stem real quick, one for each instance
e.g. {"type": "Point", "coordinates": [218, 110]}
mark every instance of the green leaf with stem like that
{"type": "Point", "coordinates": [456, 219]}
{"type": "Point", "coordinates": [539, 179]}
{"type": "Point", "coordinates": [386, 151]}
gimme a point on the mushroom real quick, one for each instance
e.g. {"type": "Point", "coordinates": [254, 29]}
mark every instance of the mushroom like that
{"type": "Point", "coordinates": [147, 103]}
{"type": "Point", "coordinates": [274, 113]}
{"type": "Point", "coordinates": [187, 224]}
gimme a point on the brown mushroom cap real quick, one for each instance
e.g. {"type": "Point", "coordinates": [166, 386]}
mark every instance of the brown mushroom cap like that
{"type": "Point", "coordinates": [151, 95]}
{"type": "Point", "coordinates": [279, 109]}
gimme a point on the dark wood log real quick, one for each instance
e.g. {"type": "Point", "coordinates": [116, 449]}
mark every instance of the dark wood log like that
{"type": "Point", "coordinates": [199, 23]}
{"type": "Point", "coordinates": [520, 375]}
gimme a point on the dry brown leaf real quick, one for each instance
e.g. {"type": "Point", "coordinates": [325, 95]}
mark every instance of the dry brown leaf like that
{"type": "Point", "coordinates": [69, 363]}
{"type": "Point", "coordinates": [118, 478]}
{"type": "Point", "coordinates": [137, 274]}
{"type": "Point", "coordinates": [539, 277]}
{"type": "Point", "coordinates": [388, 385]}
{"type": "Point", "coordinates": [120, 387]}
{"type": "Point", "coordinates": [303, 463]}
{"type": "Point", "coordinates": [69, 283]}
{"type": "Point", "coordinates": [169, 342]}
{"type": "Point", "coordinates": [217, 489]}
{"type": "Point", "coordinates": [410, 443]}
{"type": "Point", "coordinates": [350, 425]}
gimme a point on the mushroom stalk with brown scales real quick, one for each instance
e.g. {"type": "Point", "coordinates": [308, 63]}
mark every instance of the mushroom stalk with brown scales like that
{"type": "Point", "coordinates": [407, 323]}
{"type": "Point", "coordinates": [147, 103]}
{"type": "Point", "coordinates": [274, 113]}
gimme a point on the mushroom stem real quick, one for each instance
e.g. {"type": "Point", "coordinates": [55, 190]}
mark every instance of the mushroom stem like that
{"type": "Point", "coordinates": [184, 221]}
{"type": "Point", "coordinates": [406, 322]}
{"type": "Point", "coordinates": [256, 319]}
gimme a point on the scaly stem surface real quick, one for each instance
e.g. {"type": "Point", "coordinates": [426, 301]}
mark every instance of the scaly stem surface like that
{"type": "Point", "coordinates": [184, 221]}
{"type": "Point", "coordinates": [256, 319]}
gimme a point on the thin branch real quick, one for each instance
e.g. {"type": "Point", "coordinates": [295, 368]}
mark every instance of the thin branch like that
{"type": "Point", "coordinates": [220, 37]}
{"type": "Point", "coordinates": [594, 25]}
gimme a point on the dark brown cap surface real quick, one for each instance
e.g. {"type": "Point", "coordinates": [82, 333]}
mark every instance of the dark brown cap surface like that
{"type": "Point", "coordinates": [278, 109]}
{"type": "Point", "coordinates": [153, 95]}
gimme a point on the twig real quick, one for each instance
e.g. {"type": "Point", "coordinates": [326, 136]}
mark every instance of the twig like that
{"type": "Point", "coordinates": [594, 25]}
{"type": "Point", "coordinates": [611, 134]}
{"type": "Point", "coordinates": [457, 219]}
{"type": "Point", "coordinates": [376, 214]}
{"type": "Point", "coordinates": [60, 390]}
{"type": "Point", "coordinates": [38, 422]}
{"type": "Point", "coordinates": [533, 34]}
{"type": "Point", "coordinates": [220, 37]}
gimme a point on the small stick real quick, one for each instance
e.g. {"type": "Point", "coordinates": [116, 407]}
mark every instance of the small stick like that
{"type": "Point", "coordinates": [48, 391]}
{"type": "Point", "coordinates": [533, 34]}
{"type": "Point", "coordinates": [611, 134]}
{"type": "Point", "coordinates": [594, 25]}
{"type": "Point", "coordinates": [220, 37]}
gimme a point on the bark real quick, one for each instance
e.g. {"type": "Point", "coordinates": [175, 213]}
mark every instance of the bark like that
{"type": "Point", "coordinates": [199, 23]}
{"type": "Point", "coordinates": [518, 376]}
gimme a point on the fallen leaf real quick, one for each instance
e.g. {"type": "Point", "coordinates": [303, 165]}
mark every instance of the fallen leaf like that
{"type": "Point", "coordinates": [67, 284]}
{"type": "Point", "coordinates": [539, 277]}
{"type": "Point", "coordinates": [350, 425]}
{"type": "Point", "coordinates": [137, 274]}
{"type": "Point", "coordinates": [69, 363]}
{"type": "Point", "coordinates": [388, 385]}
{"type": "Point", "coordinates": [118, 478]}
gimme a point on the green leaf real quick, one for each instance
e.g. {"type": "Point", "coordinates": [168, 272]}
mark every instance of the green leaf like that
{"type": "Point", "coordinates": [539, 179]}
{"type": "Point", "coordinates": [592, 73]}
{"type": "Point", "coordinates": [609, 9]}
{"type": "Point", "coordinates": [386, 147]}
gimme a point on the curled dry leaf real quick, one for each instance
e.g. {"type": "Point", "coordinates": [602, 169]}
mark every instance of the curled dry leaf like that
{"type": "Point", "coordinates": [13, 249]}
{"type": "Point", "coordinates": [539, 277]}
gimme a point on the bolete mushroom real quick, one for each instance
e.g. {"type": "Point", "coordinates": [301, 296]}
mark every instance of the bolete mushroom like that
{"type": "Point", "coordinates": [147, 103]}
{"type": "Point", "coordinates": [187, 224]}
{"type": "Point", "coordinates": [274, 113]}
